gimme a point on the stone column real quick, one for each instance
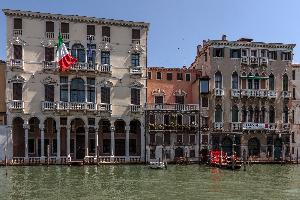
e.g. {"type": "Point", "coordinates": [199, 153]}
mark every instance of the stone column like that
{"type": "Point", "coordinates": [69, 91]}
{"type": "Point", "coordinates": [127, 129]}
{"type": "Point", "coordinates": [112, 141]}
{"type": "Point", "coordinates": [86, 141]}
{"type": "Point", "coordinates": [42, 141]}
{"type": "Point", "coordinates": [68, 141]}
{"type": "Point", "coordinates": [58, 141]}
{"type": "Point", "coordinates": [26, 127]}
{"type": "Point", "coordinates": [143, 144]}
{"type": "Point", "coordinates": [96, 142]}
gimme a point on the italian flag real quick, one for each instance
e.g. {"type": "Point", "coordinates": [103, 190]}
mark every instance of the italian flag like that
{"type": "Point", "coordinates": [63, 57]}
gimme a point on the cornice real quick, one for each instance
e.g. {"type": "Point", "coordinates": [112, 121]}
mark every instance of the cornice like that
{"type": "Point", "coordinates": [74, 18]}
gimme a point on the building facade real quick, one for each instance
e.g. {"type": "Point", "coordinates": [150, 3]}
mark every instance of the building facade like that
{"type": "Point", "coordinates": [172, 114]}
{"type": "Point", "coordinates": [94, 110]}
{"type": "Point", "coordinates": [246, 96]}
{"type": "Point", "coordinates": [2, 93]}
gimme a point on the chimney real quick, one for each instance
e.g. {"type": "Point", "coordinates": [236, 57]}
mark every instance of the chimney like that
{"type": "Point", "coordinates": [224, 37]}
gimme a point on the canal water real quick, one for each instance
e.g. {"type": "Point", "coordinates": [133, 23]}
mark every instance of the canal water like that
{"type": "Point", "coordinates": [140, 182]}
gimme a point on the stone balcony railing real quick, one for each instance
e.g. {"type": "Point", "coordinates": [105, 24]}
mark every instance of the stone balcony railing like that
{"type": "Point", "coordinates": [258, 93]}
{"type": "Point", "coordinates": [235, 126]}
{"type": "Point", "coordinates": [175, 107]}
{"type": "Point", "coordinates": [104, 68]}
{"type": "Point", "coordinates": [48, 106]}
{"type": "Point", "coordinates": [65, 36]}
{"type": "Point", "coordinates": [272, 94]}
{"type": "Point", "coordinates": [104, 107]}
{"type": "Point", "coordinates": [106, 39]}
{"type": "Point", "coordinates": [90, 37]}
{"type": "Point", "coordinates": [49, 65]}
{"type": "Point", "coordinates": [16, 105]}
{"type": "Point", "coordinates": [252, 60]}
{"type": "Point", "coordinates": [218, 92]}
{"type": "Point", "coordinates": [16, 63]}
{"type": "Point", "coordinates": [17, 32]}
{"type": "Point", "coordinates": [218, 126]}
{"type": "Point", "coordinates": [82, 66]}
{"type": "Point", "coordinates": [235, 93]}
{"type": "Point", "coordinates": [49, 35]}
{"type": "Point", "coordinates": [286, 94]}
{"type": "Point", "coordinates": [135, 108]}
{"type": "Point", "coordinates": [135, 70]}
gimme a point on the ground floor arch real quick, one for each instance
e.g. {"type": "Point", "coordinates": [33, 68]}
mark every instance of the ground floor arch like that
{"type": "Point", "coordinates": [254, 147]}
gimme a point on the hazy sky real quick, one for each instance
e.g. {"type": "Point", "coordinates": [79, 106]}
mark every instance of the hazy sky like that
{"type": "Point", "coordinates": [178, 26]}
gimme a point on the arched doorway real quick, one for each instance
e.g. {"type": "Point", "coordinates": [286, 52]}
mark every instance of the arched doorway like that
{"type": "Point", "coordinates": [277, 149]}
{"type": "Point", "coordinates": [227, 145]}
{"type": "Point", "coordinates": [18, 137]}
{"type": "Point", "coordinates": [50, 137]}
{"type": "Point", "coordinates": [134, 138]}
{"type": "Point", "coordinates": [34, 138]}
{"type": "Point", "coordinates": [120, 137]}
{"type": "Point", "coordinates": [77, 143]}
{"type": "Point", "coordinates": [104, 137]}
{"type": "Point", "coordinates": [253, 147]}
{"type": "Point", "coordinates": [179, 152]}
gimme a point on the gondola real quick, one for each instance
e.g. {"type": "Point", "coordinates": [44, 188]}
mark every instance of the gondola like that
{"type": "Point", "coordinates": [220, 159]}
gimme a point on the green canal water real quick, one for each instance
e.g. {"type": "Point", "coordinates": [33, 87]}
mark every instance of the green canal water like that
{"type": "Point", "coordinates": [139, 182]}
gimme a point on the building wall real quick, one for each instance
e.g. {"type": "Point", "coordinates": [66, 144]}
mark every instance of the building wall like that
{"type": "Point", "coordinates": [2, 93]}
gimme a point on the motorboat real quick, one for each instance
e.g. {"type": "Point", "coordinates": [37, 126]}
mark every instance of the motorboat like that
{"type": "Point", "coordinates": [158, 165]}
{"type": "Point", "coordinates": [220, 159]}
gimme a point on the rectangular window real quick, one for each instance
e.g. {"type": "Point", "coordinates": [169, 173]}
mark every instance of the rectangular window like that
{"type": "Point", "coordinates": [105, 57]}
{"type": "Point", "coordinates": [91, 90]}
{"type": "Point", "coordinates": [90, 29]}
{"type": "Point", "coordinates": [179, 76]}
{"type": "Point", "coordinates": [293, 74]}
{"type": "Point", "coordinates": [253, 53]}
{"type": "Point", "coordinates": [294, 93]}
{"type": "Point", "coordinates": [18, 52]}
{"type": "Point", "coordinates": [204, 101]}
{"type": "Point", "coordinates": [273, 55]}
{"type": "Point", "coordinates": [263, 53]}
{"type": "Point", "coordinates": [179, 99]}
{"type": "Point", "coordinates": [49, 27]}
{"type": "Point", "coordinates": [135, 96]}
{"type": "Point", "coordinates": [49, 54]}
{"type": "Point", "coordinates": [64, 27]}
{"type": "Point", "coordinates": [17, 91]}
{"type": "Point", "coordinates": [135, 60]}
{"type": "Point", "coordinates": [192, 139]}
{"type": "Point", "coordinates": [158, 99]}
{"type": "Point", "coordinates": [105, 95]}
{"type": "Point", "coordinates": [105, 31]}
{"type": "Point", "coordinates": [218, 52]}
{"type": "Point", "coordinates": [49, 93]}
{"type": "Point", "coordinates": [91, 53]}
{"type": "Point", "coordinates": [136, 34]}
{"type": "Point", "coordinates": [187, 77]}
{"type": "Point", "coordinates": [235, 53]}
{"type": "Point", "coordinates": [244, 84]}
{"type": "Point", "coordinates": [244, 52]}
{"type": "Point", "coordinates": [64, 89]}
{"type": "Point", "coordinates": [286, 56]}
{"type": "Point", "coordinates": [158, 75]}
{"type": "Point", "coordinates": [149, 75]}
{"type": "Point", "coordinates": [17, 23]}
{"type": "Point", "coordinates": [204, 86]}
{"type": "Point", "coordinates": [169, 76]}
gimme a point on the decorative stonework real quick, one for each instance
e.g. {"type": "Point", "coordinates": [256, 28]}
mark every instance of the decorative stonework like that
{"type": "Point", "coordinates": [105, 46]}
{"type": "Point", "coordinates": [158, 92]}
{"type": "Point", "coordinates": [48, 43]}
{"type": "Point", "coordinates": [136, 84]}
{"type": "Point", "coordinates": [179, 92]}
{"type": "Point", "coordinates": [48, 80]}
{"type": "Point", "coordinates": [106, 83]}
{"type": "Point", "coordinates": [17, 41]}
{"type": "Point", "coordinates": [17, 79]}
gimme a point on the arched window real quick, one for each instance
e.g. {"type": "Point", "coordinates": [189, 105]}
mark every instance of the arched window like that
{"type": "Point", "coordinates": [250, 114]}
{"type": "Point", "coordinates": [218, 113]}
{"type": "Point", "coordinates": [244, 114]}
{"type": "Point", "coordinates": [256, 114]}
{"type": "Point", "coordinates": [285, 82]}
{"type": "Point", "coordinates": [271, 82]}
{"type": "Point", "coordinates": [78, 52]}
{"type": "Point", "coordinates": [244, 80]}
{"type": "Point", "coordinates": [218, 80]}
{"type": "Point", "coordinates": [235, 81]}
{"type": "Point", "coordinates": [271, 115]}
{"type": "Point", "coordinates": [256, 82]}
{"type": "Point", "coordinates": [285, 114]}
{"type": "Point", "coordinates": [250, 81]}
{"type": "Point", "coordinates": [235, 114]}
{"type": "Point", "coordinates": [77, 90]}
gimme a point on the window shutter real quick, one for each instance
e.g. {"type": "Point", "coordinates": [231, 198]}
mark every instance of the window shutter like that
{"type": "Point", "coordinates": [17, 91]}
{"type": "Point", "coordinates": [65, 27]}
{"type": "Point", "coordinates": [105, 95]}
{"type": "Point", "coordinates": [49, 26]}
{"type": "Point", "coordinates": [18, 52]}
{"type": "Point", "coordinates": [90, 30]}
{"type": "Point", "coordinates": [136, 34]}
{"type": "Point", "coordinates": [17, 23]}
{"type": "Point", "coordinates": [106, 31]}
{"type": "Point", "coordinates": [49, 93]}
{"type": "Point", "coordinates": [49, 54]}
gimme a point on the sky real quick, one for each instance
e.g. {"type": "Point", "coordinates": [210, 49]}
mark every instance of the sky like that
{"type": "Point", "coordinates": [178, 26]}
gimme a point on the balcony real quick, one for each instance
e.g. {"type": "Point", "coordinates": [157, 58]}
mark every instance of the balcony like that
{"type": "Point", "coordinates": [254, 60]}
{"type": "Point", "coordinates": [106, 39]}
{"type": "Point", "coordinates": [65, 36]}
{"type": "Point", "coordinates": [91, 106]}
{"type": "Point", "coordinates": [80, 66]}
{"type": "Point", "coordinates": [49, 65]}
{"type": "Point", "coordinates": [16, 105]}
{"type": "Point", "coordinates": [104, 107]}
{"type": "Point", "coordinates": [244, 93]}
{"type": "Point", "coordinates": [252, 93]}
{"type": "Point", "coordinates": [104, 68]}
{"type": "Point", "coordinates": [262, 93]}
{"type": "Point", "coordinates": [90, 37]}
{"type": "Point", "coordinates": [286, 94]}
{"type": "Point", "coordinates": [137, 70]}
{"type": "Point", "coordinates": [218, 126]}
{"type": "Point", "coordinates": [135, 108]}
{"type": "Point", "coordinates": [235, 93]}
{"type": "Point", "coordinates": [219, 92]}
{"type": "Point", "coordinates": [16, 63]}
{"type": "Point", "coordinates": [286, 126]}
{"type": "Point", "coordinates": [272, 94]}
{"type": "Point", "coordinates": [50, 35]}
{"type": "Point", "coordinates": [62, 106]}
{"type": "Point", "coordinates": [255, 126]}
{"type": "Point", "coordinates": [48, 106]}
{"type": "Point", "coordinates": [136, 42]}
{"type": "Point", "coordinates": [235, 126]}
{"type": "Point", "coordinates": [245, 60]}
{"type": "Point", "coordinates": [17, 32]}
{"type": "Point", "coordinates": [263, 61]}
{"type": "Point", "coordinates": [173, 107]}
{"type": "Point", "coordinates": [77, 106]}
{"type": "Point", "coordinates": [272, 126]}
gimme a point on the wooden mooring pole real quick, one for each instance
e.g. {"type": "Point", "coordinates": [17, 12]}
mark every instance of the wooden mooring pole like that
{"type": "Point", "coordinates": [297, 156]}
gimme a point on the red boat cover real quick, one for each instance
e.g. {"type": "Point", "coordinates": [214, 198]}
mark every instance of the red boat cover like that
{"type": "Point", "coordinates": [215, 156]}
